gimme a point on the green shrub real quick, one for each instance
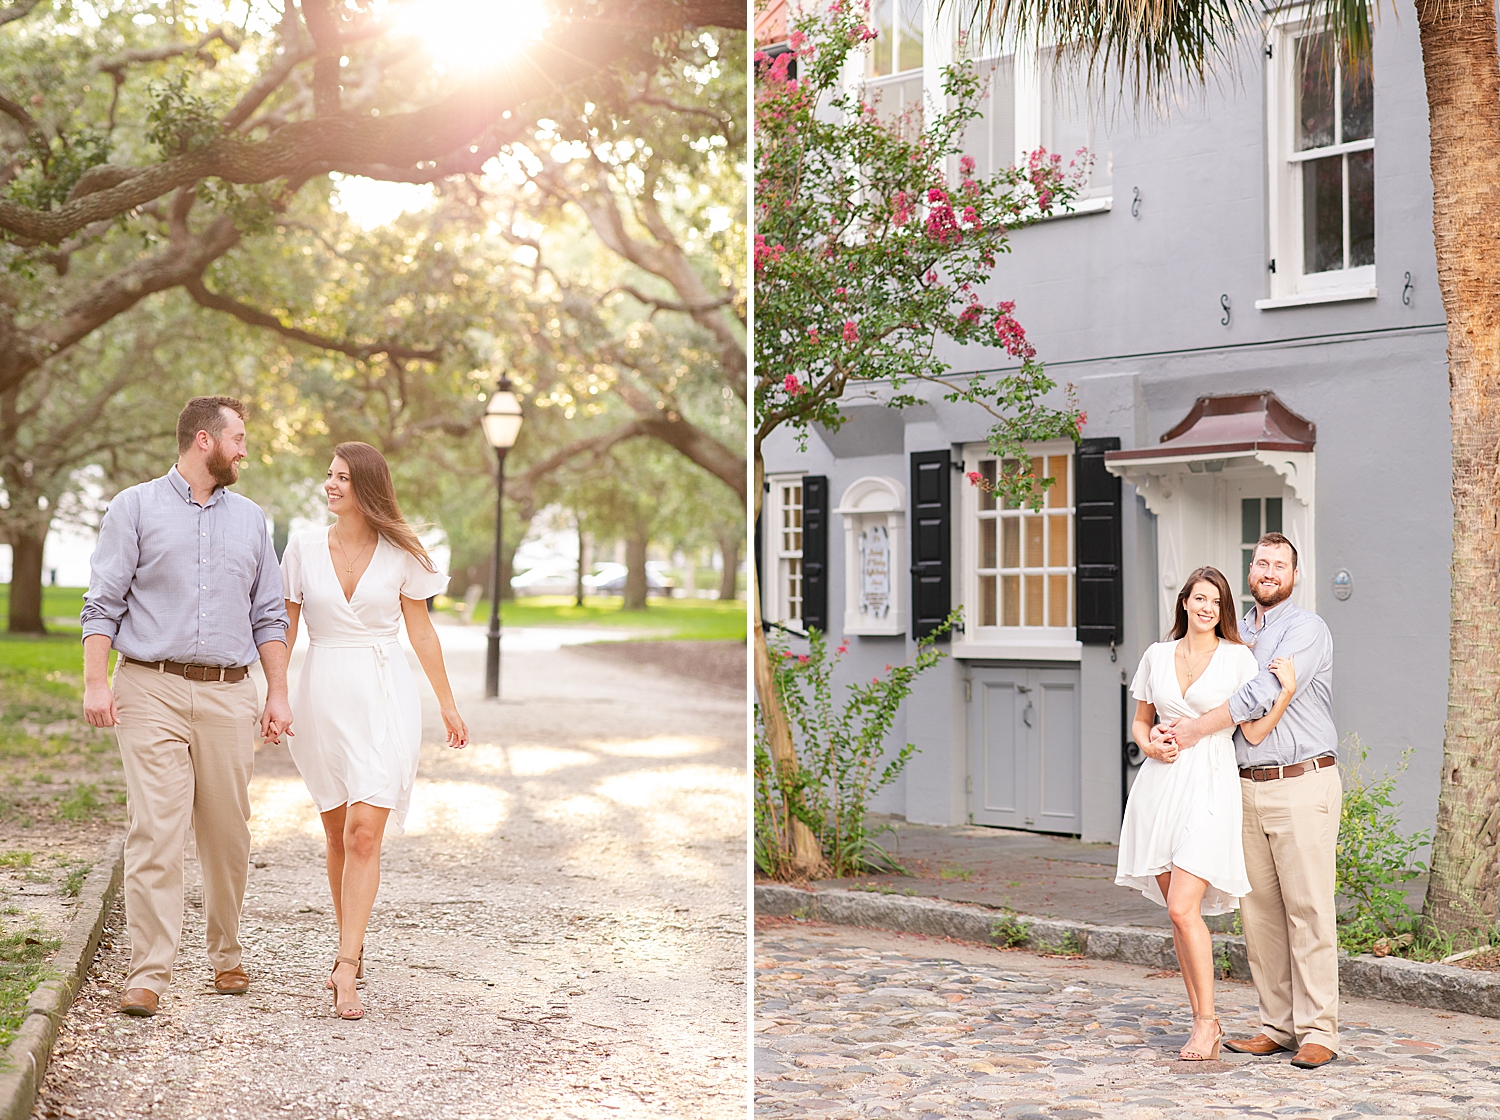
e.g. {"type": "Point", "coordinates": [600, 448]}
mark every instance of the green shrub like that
{"type": "Point", "coordinates": [1375, 856]}
{"type": "Point", "coordinates": [840, 751]}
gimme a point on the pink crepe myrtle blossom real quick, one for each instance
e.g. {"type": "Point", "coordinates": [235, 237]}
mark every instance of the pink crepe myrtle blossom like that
{"type": "Point", "coordinates": [941, 226]}
{"type": "Point", "coordinates": [843, 646]}
{"type": "Point", "coordinates": [966, 166]}
{"type": "Point", "coordinates": [812, 334]}
{"type": "Point", "coordinates": [767, 254]}
{"type": "Point", "coordinates": [975, 478]}
{"type": "Point", "coordinates": [851, 331]}
{"type": "Point", "coordinates": [931, 276]}
{"type": "Point", "coordinates": [802, 659]}
{"type": "Point", "coordinates": [1083, 418]}
{"type": "Point", "coordinates": [792, 385]}
{"type": "Point", "coordinates": [1011, 334]}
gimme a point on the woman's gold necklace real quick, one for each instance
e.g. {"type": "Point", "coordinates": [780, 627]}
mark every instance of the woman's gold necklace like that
{"type": "Point", "coordinates": [350, 565]}
{"type": "Point", "coordinates": [1192, 669]}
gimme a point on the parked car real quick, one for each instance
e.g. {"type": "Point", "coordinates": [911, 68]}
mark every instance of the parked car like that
{"type": "Point", "coordinates": [610, 579]}
{"type": "Point", "coordinates": [551, 577]}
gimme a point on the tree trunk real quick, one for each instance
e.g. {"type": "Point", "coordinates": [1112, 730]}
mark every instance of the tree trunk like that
{"type": "Point", "coordinates": [1462, 69]}
{"type": "Point", "coordinates": [807, 855]}
{"type": "Point", "coordinates": [635, 574]}
{"type": "Point", "coordinates": [729, 548]}
{"type": "Point", "coordinates": [583, 557]}
{"type": "Point", "coordinates": [26, 582]}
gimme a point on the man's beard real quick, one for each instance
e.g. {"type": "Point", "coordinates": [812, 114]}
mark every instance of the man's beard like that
{"type": "Point", "coordinates": [1283, 592]}
{"type": "Point", "coordinates": [224, 468]}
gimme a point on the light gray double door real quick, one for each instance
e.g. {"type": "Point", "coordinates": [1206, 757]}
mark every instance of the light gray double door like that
{"type": "Point", "coordinates": [1025, 752]}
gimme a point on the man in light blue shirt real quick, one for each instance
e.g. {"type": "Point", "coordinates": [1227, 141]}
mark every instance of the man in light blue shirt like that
{"type": "Point", "coordinates": [1292, 799]}
{"type": "Point", "coordinates": [185, 586]}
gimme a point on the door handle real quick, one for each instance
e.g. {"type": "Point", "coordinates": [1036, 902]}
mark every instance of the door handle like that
{"type": "Point", "coordinates": [1026, 714]}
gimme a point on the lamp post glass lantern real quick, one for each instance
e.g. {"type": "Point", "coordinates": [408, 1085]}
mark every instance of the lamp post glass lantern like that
{"type": "Point", "coordinates": [502, 424]}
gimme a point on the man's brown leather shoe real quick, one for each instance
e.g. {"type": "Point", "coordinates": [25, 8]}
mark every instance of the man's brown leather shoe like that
{"type": "Point", "coordinates": [1260, 1045]}
{"type": "Point", "coordinates": [139, 1001]}
{"type": "Point", "coordinates": [1311, 1056]}
{"type": "Point", "coordinates": [231, 982]}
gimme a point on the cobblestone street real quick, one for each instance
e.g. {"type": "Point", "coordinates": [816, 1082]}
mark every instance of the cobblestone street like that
{"type": "Point", "coordinates": [857, 1022]}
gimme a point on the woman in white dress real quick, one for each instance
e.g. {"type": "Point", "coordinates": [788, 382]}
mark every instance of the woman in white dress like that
{"type": "Point", "coordinates": [1180, 842]}
{"type": "Point", "coordinates": [357, 714]}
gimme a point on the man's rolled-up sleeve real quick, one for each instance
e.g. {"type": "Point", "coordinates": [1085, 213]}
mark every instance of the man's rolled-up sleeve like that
{"type": "Point", "coordinates": [1307, 643]}
{"type": "Point", "coordinates": [268, 617]}
{"type": "Point", "coordinates": [112, 569]}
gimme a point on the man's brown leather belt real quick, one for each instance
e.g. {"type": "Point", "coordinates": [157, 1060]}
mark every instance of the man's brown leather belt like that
{"type": "Point", "coordinates": [194, 672]}
{"type": "Point", "coordinates": [1296, 769]}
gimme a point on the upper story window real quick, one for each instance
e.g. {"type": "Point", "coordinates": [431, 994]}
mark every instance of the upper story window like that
{"type": "Point", "coordinates": [893, 70]}
{"type": "Point", "coordinates": [898, 46]}
{"type": "Point", "coordinates": [1071, 106]}
{"type": "Point", "coordinates": [1322, 181]}
{"type": "Point", "coordinates": [1027, 102]}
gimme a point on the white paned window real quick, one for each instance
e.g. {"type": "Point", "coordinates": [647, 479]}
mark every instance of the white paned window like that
{"type": "Point", "coordinates": [1021, 559]}
{"type": "Point", "coordinates": [1026, 103]}
{"type": "Point", "coordinates": [991, 137]}
{"type": "Point", "coordinates": [1322, 152]}
{"type": "Point", "coordinates": [783, 591]}
{"type": "Point", "coordinates": [894, 66]}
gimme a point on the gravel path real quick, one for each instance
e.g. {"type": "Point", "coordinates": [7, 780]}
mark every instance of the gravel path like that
{"type": "Point", "coordinates": [860, 1023]}
{"type": "Point", "coordinates": [561, 932]}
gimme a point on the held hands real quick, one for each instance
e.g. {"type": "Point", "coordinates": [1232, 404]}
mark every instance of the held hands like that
{"type": "Point", "coordinates": [458, 730]}
{"type": "Point", "coordinates": [1162, 746]}
{"type": "Point", "coordinates": [276, 720]}
{"type": "Point", "coordinates": [1284, 671]}
{"type": "Point", "coordinates": [99, 706]}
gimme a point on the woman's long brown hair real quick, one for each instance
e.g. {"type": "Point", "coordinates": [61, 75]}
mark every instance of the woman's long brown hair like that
{"type": "Point", "coordinates": [1228, 627]}
{"type": "Point", "coordinates": [376, 494]}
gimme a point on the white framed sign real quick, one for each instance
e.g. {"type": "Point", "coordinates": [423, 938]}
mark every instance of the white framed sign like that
{"type": "Point", "coordinates": [874, 513]}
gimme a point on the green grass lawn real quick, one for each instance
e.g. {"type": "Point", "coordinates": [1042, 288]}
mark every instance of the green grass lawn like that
{"type": "Point", "coordinates": [663, 619]}
{"type": "Point", "coordinates": [57, 602]}
{"type": "Point", "coordinates": [52, 764]}
{"type": "Point", "coordinates": [679, 619]}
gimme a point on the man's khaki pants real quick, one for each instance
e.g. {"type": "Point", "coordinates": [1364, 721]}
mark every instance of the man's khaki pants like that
{"type": "Point", "coordinates": [188, 748]}
{"type": "Point", "coordinates": [1291, 828]}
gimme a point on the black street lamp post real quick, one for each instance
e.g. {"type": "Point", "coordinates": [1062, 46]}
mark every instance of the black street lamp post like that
{"type": "Point", "coordinates": [502, 423]}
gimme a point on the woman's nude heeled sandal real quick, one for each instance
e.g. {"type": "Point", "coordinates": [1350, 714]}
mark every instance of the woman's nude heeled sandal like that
{"type": "Point", "coordinates": [359, 973]}
{"type": "Point", "coordinates": [1213, 1052]}
{"type": "Point", "coordinates": [348, 1011]}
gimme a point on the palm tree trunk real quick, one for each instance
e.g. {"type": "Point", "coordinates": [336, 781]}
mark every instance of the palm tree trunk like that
{"type": "Point", "coordinates": [1462, 70]}
{"type": "Point", "coordinates": [806, 855]}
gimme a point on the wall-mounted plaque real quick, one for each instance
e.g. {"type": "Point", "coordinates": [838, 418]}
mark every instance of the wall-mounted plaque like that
{"type": "Point", "coordinates": [1343, 584]}
{"type": "Point", "coordinates": [875, 572]}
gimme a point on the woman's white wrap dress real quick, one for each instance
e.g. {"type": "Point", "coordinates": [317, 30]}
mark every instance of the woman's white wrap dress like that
{"type": "Point", "coordinates": [356, 715]}
{"type": "Point", "coordinates": [1188, 813]}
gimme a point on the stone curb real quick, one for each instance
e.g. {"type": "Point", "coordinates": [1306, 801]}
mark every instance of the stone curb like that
{"type": "Point", "coordinates": [1387, 978]}
{"type": "Point", "coordinates": [24, 1062]}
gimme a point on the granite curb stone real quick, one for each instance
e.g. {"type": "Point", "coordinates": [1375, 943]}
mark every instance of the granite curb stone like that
{"type": "Point", "coordinates": [24, 1062]}
{"type": "Point", "coordinates": [1389, 978]}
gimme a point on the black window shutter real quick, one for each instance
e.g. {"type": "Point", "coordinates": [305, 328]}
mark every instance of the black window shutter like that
{"type": "Point", "coordinates": [931, 542]}
{"type": "Point", "coordinates": [760, 564]}
{"type": "Point", "coordinates": [815, 551]}
{"type": "Point", "coordinates": [1101, 578]}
